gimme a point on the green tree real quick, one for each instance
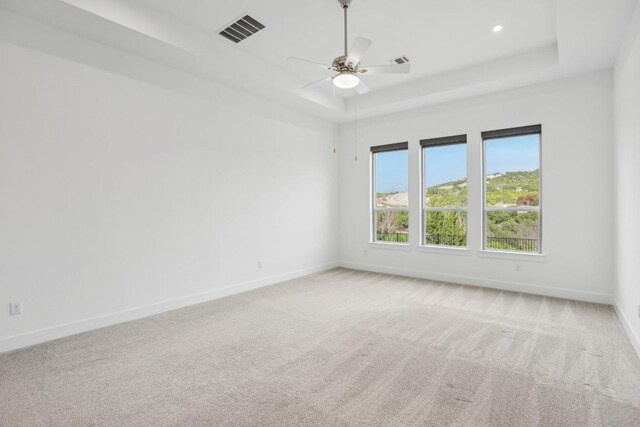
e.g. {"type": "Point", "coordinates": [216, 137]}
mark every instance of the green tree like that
{"type": "Point", "coordinates": [446, 228]}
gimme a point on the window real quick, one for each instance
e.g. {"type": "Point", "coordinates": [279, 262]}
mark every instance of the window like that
{"type": "Point", "coordinates": [444, 185]}
{"type": "Point", "coordinates": [390, 165]}
{"type": "Point", "coordinates": [512, 189]}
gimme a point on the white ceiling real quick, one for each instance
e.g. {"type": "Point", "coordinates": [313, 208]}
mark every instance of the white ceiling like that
{"type": "Point", "coordinates": [452, 49]}
{"type": "Point", "coordinates": [313, 30]}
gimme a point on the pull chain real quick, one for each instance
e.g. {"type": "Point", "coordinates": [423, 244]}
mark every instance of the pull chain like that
{"type": "Point", "coordinates": [335, 139]}
{"type": "Point", "coordinates": [355, 140]}
{"type": "Point", "coordinates": [335, 132]}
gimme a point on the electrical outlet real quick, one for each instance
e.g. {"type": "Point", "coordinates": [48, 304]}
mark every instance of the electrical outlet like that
{"type": "Point", "coordinates": [15, 308]}
{"type": "Point", "coordinates": [364, 252]}
{"type": "Point", "coordinates": [259, 263]}
{"type": "Point", "coordinates": [518, 267]}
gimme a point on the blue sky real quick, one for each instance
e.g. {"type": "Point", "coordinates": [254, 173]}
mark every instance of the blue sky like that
{"type": "Point", "coordinates": [517, 154]}
{"type": "Point", "coordinates": [448, 163]}
{"type": "Point", "coordinates": [392, 171]}
{"type": "Point", "coordinates": [445, 164]}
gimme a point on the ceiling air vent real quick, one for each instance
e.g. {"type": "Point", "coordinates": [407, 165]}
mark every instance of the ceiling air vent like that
{"type": "Point", "coordinates": [400, 60]}
{"type": "Point", "coordinates": [241, 29]}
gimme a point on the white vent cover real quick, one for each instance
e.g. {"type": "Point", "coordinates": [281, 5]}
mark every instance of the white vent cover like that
{"type": "Point", "coordinates": [400, 60]}
{"type": "Point", "coordinates": [243, 28]}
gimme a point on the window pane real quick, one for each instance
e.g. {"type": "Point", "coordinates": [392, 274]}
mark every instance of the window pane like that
{"type": "Point", "coordinates": [392, 179]}
{"type": "Point", "coordinates": [446, 228]}
{"type": "Point", "coordinates": [392, 226]}
{"type": "Point", "coordinates": [445, 175]}
{"type": "Point", "coordinates": [513, 231]}
{"type": "Point", "coordinates": [512, 169]}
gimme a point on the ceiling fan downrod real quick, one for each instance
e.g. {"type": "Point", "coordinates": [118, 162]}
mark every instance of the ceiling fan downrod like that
{"type": "Point", "coordinates": [345, 6]}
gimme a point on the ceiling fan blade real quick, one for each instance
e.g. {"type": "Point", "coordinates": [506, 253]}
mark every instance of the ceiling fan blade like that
{"type": "Point", "coordinates": [386, 69]}
{"type": "Point", "coordinates": [317, 64]}
{"type": "Point", "coordinates": [359, 48]}
{"type": "Point", "coordinates": [316, 82]}
{"type": "Point", "coordinates": [362, 88]}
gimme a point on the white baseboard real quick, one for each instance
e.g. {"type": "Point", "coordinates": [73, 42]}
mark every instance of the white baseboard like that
{"type": "Point", "coordinates": [633, 337]}
{"type": "Point", "coordinates": [485, 283]}
{"type": "Point", "coordinates": [60, 331]}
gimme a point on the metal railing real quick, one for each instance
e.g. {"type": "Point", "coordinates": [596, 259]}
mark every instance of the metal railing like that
{"type": "Point", "coordinates": [445, 240]}
{"type": "Point", "coordinates": [501, 243]}
{"type": "Point", "coordinates": [513, 244]}
{"type": "Point", "coordinates": [392, 237]}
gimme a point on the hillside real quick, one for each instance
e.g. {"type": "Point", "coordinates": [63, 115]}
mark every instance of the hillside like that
{"type": "Point", "coordinates": [514, 230]}
{"type": "Point", "coordinates": [503, 189]}
{"type": "Point", "coordinates": [513, 189]}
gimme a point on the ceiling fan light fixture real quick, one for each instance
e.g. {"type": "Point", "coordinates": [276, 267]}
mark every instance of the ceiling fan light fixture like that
{"type": "Point", "coordinates": [346, 80]}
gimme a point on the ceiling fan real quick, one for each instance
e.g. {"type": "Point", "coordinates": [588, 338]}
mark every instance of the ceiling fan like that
{"type": "Point", "coordinates": [348, 66]}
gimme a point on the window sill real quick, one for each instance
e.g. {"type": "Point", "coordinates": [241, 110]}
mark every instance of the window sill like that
{"type": "Point", "coordinates": [390, 246]}
{"type": "Point", "coordinates": [518, 256]}
{"type": "Point", "coordinates": [445, 250]}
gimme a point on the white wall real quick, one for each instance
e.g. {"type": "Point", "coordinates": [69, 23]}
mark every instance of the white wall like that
{"type": "Point", "coordinates": [577, 123]}
{"type": "Point", "coordinates": [117, 195]}
{"type": "Point", "coordinates": [627, 181]}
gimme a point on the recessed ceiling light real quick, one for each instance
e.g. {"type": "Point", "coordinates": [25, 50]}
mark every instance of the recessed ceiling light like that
{"type": "Point", "coordinates": [497, 28]}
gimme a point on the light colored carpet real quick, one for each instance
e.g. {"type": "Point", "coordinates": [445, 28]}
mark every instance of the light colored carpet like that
{"type": "Point", "coordinates": [338, 348]}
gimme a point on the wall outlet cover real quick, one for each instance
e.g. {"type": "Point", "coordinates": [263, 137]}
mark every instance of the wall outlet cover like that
{"type": "Point", "coordinates": [15, 308]}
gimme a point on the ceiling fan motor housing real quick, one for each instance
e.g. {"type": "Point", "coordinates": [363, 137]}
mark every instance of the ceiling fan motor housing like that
{"type": "Point", "coordinates": [341, 64]}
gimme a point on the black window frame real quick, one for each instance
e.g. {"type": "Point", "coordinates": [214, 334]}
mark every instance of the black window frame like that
{"type": "Point", "coordinates": [510, 133]}
{"type": "Point", "coordinates": [400, 146]}
{"type": "Point", "coordinates": [424, 209]}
